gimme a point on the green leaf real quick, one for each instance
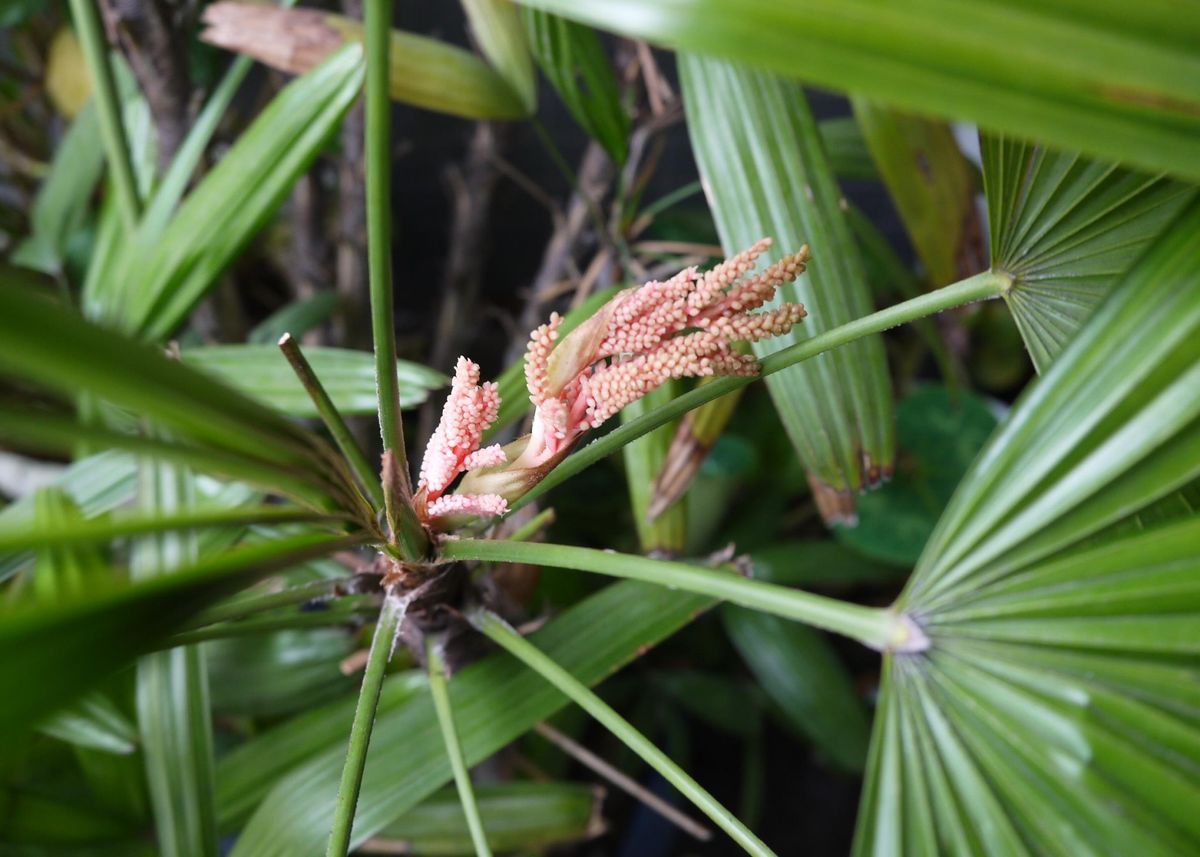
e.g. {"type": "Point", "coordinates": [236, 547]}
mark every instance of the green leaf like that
{"type": "Point", "coordinates": [70, 646]}
{"type": "Point", "coordinates": [175, 180]}
{"type": "Point", "coordinates": [496, 26]}
{"type": "Point", "coordinates": [63, 199]}
{"type": "Point", "coordinates": [268, 675]}
{"type": "Point", "coordinates": [1067, 229]}
{"type": "Point", "coordinates": [236, 198]}
{"type": "Point", "coordinates": [94, 722]}
{"type": "Point", "coordinates": [1103, 434]}
{"type": "Point", "coordinates": [172, 690]}
{"type": "Point", "coordinates": [423, 72]}
{"type": "Point", "coordinates": [938, 436]}
{"type": "Point", "coordinates": [62, 572]}
{"type": "Point", "coordinates": [517, 816]}
{"type": "Point", "coordinates": [48, 432]}
{"type": "Point", "coordinates": [96, 484]}
{"type": "Point", "coordinates": [643, 463]}
{"type": "Point", "coordinates": [1055, 710]}
{"type": "Point", "coordinates": [574, 61]}
{"type": "Point", "coordinates": [766, 174]}
{"type": "Point", "coordinates": [62, 569]}
{"type": "Point", "coordinates": [729, 703]}
{"type": "Point", "coordinates": [262, 372]}
{"type": "Point", "coordinates": [49, 826]}
{"type": "Point", "coordinates": [847, 148]}
{"type": "Point", "coordinates": [1092, 77]}
{"type": "Point", "coordinates": [799, 670]}
{"type": "Point", "coordinates": [249, 771]}
{"type": "Point", "coordinates": [928, 179]}
{"type": "Point", "coordinates": [54, 347]}
{"type": "Point", "coordinates": [16, 534]}
{"type": "Point", "coordinates": [110, 123]}
{"type": "Point", "coordinates": [296, 318]}
{"type": "Point", "coordinates": [118, 784]}
{"type": "Point", "coordinates": [890, 277]}
{"type": "Point", "coordinates": [825, 564]}
{"type": "Point", "coordinates": [495, 700]}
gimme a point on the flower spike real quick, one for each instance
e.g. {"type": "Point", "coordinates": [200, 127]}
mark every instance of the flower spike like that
{"type": "Point", "coordinates": [470, 410]}
{"type": "Point", "coordinates": [683, 327]}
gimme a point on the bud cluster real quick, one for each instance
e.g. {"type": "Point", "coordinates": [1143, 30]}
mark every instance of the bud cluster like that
{"type": "Point", "coordinates": [684, 327]}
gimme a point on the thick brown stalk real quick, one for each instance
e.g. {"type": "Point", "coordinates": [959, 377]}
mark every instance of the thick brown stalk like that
{"type": "Point", "coordinates": [308, 260]}
{"type": "Point", "coordinates": [352, 327]}
{"type": "Point", "coordinates": [153, 37]}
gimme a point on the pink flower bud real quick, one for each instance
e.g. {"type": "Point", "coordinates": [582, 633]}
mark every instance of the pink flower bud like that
{"type": "Point", "coordinates": [470, 410]}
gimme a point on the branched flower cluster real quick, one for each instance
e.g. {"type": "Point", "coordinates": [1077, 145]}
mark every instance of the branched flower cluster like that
{"type": "Point", "coordinates": [681, 328]}
{"type": "Point", "coordinates": [684, 327]}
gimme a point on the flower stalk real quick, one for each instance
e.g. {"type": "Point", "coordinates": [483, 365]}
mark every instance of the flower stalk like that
{"type": "Point", "coordinates": [984, 286]}
{"type": "Point", "coordinates": [382, 643]}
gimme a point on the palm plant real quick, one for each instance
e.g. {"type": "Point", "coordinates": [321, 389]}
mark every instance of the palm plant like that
{"type": "Point", "coordinates": [1038, 685]}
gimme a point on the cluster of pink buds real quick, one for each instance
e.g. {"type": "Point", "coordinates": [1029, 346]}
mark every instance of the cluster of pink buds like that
{"type": "Point", "coordinates": [454, 448]}
{"type": "Point", "coordinates": [683, 327]}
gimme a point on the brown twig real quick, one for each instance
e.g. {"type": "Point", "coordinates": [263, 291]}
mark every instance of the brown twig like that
{"type": "Point", "coordinates": [531, 188]}
{"type": "Point", "coordinates": [622, 781]}
{"type": "Point", "coordinates": [658, 91]}
{"type": "Point", "coordinates": [351, 326]}
{"type": "Point", "coordinates": [308, 260]}
{"type": "Point", "coordinates": [595, 176]}
{"type": "Point", "coordinates": [679, 248]}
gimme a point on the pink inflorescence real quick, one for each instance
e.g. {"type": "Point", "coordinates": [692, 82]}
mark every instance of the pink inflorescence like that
{"type": "Point", "coordinates": [469, 411]}
{"type": "Point", "coordinates": [683, 327]}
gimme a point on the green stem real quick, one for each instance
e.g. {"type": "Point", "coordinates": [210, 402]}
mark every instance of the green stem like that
{"type": "Point", "coordinates": [669, 199]}
{"type": "Point", "coordinates": [533, 526]}
{"type": "Point", "coordinates": [875, 627]}
{"type": "Point", "coordinates": [979, 287]}
{"type": "Point", "coordinates": [390, 617]}
{"type": "Point", "coordinates": [112, 128]}
{"type": "Point", "coordinates": [462, 777]}
{"type": "Point", "coordinates": [333, 419]}
{"type": "Point", "coordinates": [378, 157]}
{"type": "Point", "coordinates": [499, 631]}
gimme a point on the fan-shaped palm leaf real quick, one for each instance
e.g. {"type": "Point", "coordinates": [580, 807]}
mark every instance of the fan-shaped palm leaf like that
{"type": "Point", "coordinates": [1055, 710]}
